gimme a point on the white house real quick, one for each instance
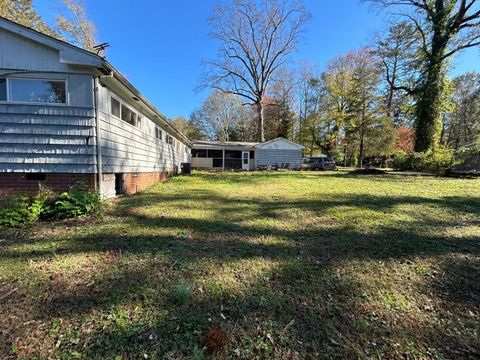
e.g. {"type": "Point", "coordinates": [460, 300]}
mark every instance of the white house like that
{"type": "Point", "coordinates": [276, 153]}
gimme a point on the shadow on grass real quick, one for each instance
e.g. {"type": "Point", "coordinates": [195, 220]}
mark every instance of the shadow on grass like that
{"type": "Point", "coordinates": [329, 309]}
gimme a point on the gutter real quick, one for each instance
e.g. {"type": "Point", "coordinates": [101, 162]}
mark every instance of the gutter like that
{"type": "Point", "coordinates": [97, 133]}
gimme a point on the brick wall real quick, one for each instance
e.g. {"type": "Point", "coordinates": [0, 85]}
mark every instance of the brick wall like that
{"type": "Point", "coordinates": [135, 182]}
{"type": "Point", "coordinates": [17, 183]}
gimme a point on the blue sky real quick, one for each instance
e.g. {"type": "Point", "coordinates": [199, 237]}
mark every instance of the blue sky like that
{"type": "Point", "coordinates": [159, 45]}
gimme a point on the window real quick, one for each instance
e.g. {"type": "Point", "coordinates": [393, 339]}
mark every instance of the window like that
{"type": "Point", "coordinates": [139, 121]}
{"type": "Point", "coordinates": [3, 89]}
{"type": "Point", "coordinates": [158, 133]}
{"type": "Point", "coordinates": [115, 107]}
{"type": "Point", "coordinates": [128, 115]}
{"type": "Point", "coordinates": [169, 140]}
{"type": "Point", "coordinates": [38, 91]}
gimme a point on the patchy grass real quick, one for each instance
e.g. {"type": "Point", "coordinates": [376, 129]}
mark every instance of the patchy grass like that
{"type": "Point", "coordinates": [253, 265]}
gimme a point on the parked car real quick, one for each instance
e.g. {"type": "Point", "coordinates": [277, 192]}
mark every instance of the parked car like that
{"type": "Point", "coordinates": [319, 163]}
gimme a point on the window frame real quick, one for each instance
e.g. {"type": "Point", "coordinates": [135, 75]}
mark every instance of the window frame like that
{"type": "Point", "coordinates": [158, 133]}
{"type": "Point", "coordinates": [22, 102]}
{"type": "Point", "coordinates": [122, 105]}
{"type": "Point", "coordinates": [138, 115]}
{"type": "Point", "coordinates": [6, 89]}
{"type": "Point", "coordinates": [119, 107]}
{"type": "Point", "coordinates": [170, 140]}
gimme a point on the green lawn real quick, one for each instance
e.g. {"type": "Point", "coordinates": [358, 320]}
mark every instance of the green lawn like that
{"type": "Point", "coordinates": [253, 265]}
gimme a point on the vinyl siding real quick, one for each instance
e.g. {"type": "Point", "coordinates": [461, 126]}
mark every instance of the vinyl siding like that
{"type": "Point", "coordinates": [127, 148]}
{"type": "Point", "coordinates": [50, 138]}
{"type": "Point", "coordinates": [21, 53]}
{"type": "Point", "coordinates": [277, 157]}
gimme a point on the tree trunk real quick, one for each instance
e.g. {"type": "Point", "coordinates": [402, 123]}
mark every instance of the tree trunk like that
{"type": "Point", "coordinates": [360, 150]}
{"type": "Point", "coordinates": [261, 129]}
{"type": "Point", "coordinates": [428, 124]}
{"type": "Point", "coordinates": [428, 110]}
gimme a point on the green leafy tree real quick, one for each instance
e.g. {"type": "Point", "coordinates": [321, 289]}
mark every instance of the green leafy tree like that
{"type": "Point", "coordinates": [462, 124]}
{"type": "Point", "coordinates": [365, 116]}
{"type": "Point", "coordinates": [444, 27]}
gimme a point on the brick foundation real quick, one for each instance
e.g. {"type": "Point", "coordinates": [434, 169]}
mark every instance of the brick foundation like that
{"type": "Point", "coordinates": [135, 182]}
{"type": "Point", "coordinates": [20, 183]}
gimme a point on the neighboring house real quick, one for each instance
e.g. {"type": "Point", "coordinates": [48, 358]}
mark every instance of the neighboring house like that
{"type": "Point", "coordinates": [275, 153]}
{"type": "Point", "coordinates": [67, 117]}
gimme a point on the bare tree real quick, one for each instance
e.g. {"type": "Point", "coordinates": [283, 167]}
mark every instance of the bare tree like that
{"type": "Point", "coordinates": [219, 115]}
{"type": "Point", "coordinates": [256, 39]}
{"type": "Point", "coordinates": [445, 27]}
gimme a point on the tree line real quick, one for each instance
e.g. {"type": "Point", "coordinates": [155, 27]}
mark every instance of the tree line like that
{"type": "Point", "coordinates": [394, 94]}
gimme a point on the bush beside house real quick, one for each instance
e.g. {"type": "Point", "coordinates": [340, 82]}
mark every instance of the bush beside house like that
{"type": "Point", "coordinates": [23, 209]}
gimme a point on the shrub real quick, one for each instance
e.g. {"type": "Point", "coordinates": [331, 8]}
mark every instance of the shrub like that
{"type": "Point", "coordinates": [73, 203]}
{"type": "Point", "coordinates": [433, 161]}
{"type": "Point", "coordinates": [46, 204]}
{"type": "Point", "coordinates": [20, 210]}
{"type": "Point", "coordinates": [467, 159]}
{"type": "Point", "coordinates": [401, 161]}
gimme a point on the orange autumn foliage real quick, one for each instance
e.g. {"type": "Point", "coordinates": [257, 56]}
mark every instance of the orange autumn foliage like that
{"type": "Point", "coordinates": [405, 140]}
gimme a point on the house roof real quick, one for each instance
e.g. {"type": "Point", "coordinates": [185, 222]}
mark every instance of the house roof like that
{"type": "Point", "coordinates": [227, 145]}
{"type": "Point", "coordinates": [238, 145]}
{"type": "Point", "coordinates": [280, 139]}
{"type": "Point", "coordinates": [71, 54]}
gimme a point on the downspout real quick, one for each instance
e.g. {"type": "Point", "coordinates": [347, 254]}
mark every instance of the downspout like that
{"type": "Point", "coordinates": [97, 133]}
{"type": "Point", "coordinates": [223, 159]}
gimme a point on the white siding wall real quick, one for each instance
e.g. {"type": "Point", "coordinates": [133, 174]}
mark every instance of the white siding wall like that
{"type": "Point", "coordinates": [126, 148]}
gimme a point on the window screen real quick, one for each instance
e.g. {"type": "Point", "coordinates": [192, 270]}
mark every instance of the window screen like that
{"type": "Point", "coordinates": [115, 107]}
{"type": "Point", "coordinates": [215, 154]}
{"type": "Point", "coordinates": [3, 90]}
{"type": "Point", "coordinates": [39, 91]}
{"type": "Point", "coordinates": [199, 153]}
{"type": "Point", "coordinates": [128, 115]}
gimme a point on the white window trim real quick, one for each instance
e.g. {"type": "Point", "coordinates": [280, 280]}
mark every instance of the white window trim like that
{"type": "Point", "coordinates": [163, 131]}
{"type": "Point", "coordinates": [119, 107]}
{"type": "Point", "coordinates": [9, 95]}
{"type": "Point", "coordinates": [127, 105]}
